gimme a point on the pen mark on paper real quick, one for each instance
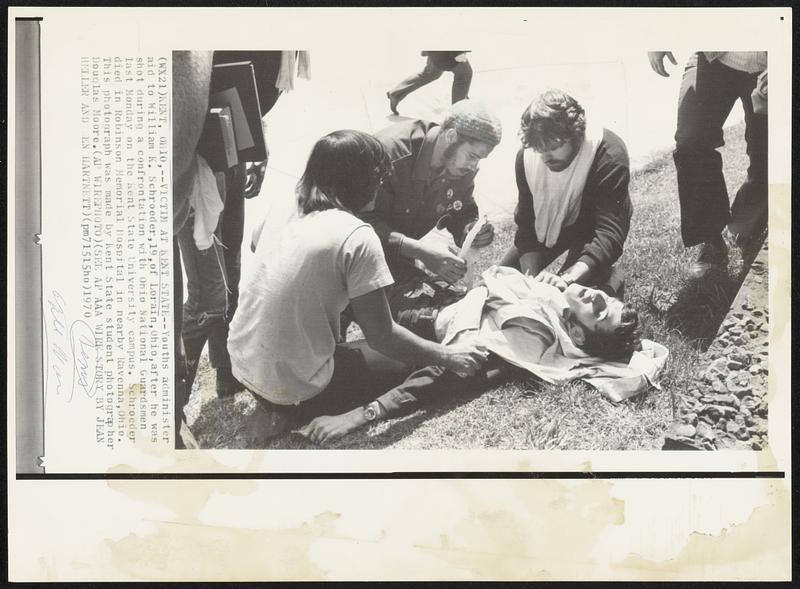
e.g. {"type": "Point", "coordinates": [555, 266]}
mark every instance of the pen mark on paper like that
{"type": "Point", "coordinates": [84, 354]}
{"type": "Point", "coordinates": [56, 325]}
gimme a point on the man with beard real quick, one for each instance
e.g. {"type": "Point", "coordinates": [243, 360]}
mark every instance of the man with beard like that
{"type": "Point", "coordinates": [434, 168]}
{"type": "Point", "coordinates": [572, 179]}
{"type": "Point", "coordinates": [529, 328]}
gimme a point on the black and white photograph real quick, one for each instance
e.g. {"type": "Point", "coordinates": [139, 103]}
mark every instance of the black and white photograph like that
{"type": "Point", "coordinates": [493, 253]}
{"type": "Point", "coordinates": [399, 293]}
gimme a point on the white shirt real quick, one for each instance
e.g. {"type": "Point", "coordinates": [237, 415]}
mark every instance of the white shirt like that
{"type": "Point", "coordinates": [751, 62]}
{"type": "Point", "coordinates": [521, 320]}
{"type": "Point", "coordinates": [284, 332]}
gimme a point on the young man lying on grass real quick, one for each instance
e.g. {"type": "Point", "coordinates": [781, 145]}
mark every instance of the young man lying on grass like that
{"type": "Point", "coordinates": [557, 334]}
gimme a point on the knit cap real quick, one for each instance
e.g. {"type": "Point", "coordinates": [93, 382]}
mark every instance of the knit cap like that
{"type": "Point", "coordinates": [470, 118]}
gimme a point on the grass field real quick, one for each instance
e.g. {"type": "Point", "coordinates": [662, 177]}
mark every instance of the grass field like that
{"type": "Point", "coordinates": [527, 414]}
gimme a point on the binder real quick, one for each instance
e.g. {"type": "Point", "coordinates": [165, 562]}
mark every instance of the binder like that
{"type": "Point", "coordinates": [222, 153]}
{"type": "Point", "coordinates": [233, 86]}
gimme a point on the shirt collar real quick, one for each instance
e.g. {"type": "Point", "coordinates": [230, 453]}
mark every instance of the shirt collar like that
{"type": "Point", "coordinates": [423, 163]}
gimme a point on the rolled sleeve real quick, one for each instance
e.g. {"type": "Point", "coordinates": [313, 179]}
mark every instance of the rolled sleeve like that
{"type": "Point", "coordinates": [426, 385]}
{"type": "Point", "coordinates": [419, 387]}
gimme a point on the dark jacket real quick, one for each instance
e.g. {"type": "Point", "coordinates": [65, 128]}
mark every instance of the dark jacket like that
{"type": "Point", "coordinates": [605, 214]}
{"type": "Point", "coordinates": [411, 202]}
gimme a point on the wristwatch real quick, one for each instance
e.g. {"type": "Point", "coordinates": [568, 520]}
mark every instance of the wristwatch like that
{"type": "Point", "coordinates": [373, 411]}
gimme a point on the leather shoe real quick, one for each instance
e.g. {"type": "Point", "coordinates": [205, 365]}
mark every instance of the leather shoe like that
{"type": "Point", "coordinates": [713, 256]}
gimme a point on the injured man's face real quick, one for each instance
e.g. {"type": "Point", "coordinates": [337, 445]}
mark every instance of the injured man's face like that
{"type": "Point", "coordinates": [593, 309]}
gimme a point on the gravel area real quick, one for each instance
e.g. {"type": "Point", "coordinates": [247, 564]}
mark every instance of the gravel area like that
{"type": "Point", "coordinates": [726, 408]}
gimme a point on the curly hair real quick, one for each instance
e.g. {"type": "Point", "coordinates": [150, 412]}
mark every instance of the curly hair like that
{"type": "Point", "coordinates": [618, 344]}
{"type": "Point", "coordinates": [344, 171]}
{"type": "Point", "coordinates": [554, 117]}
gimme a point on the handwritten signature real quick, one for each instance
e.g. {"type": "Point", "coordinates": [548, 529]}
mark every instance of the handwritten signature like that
{"type": "Point", "coordinates": [57, 320]}
{"type": "Point", "coordinates": [84, 358]}
{"type": "Point", "coordinates": [83, 351]}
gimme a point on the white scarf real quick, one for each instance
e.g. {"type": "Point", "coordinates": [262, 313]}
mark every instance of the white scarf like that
{"type": "Point", "coordinates": [557, 195]}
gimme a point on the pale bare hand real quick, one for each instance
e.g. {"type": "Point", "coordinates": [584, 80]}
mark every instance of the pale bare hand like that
{"type": "Point", "coordinates": [327, 428]}
{"type": "Point", "coordinates": [657, 61]}
{"type": "Point", "coordinates": [444, 263]}
{"type": "Point", "coordinates": [465, 359]}
{"type": "Point", "coordinates": [551, 279]}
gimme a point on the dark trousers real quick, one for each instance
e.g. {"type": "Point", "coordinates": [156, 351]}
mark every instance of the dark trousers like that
{"type": "Point", "coordinates": [206, 297]}
{"type": "Point", "coordinates": [181, 391]}
{"type": "Point", "coordinates": [357, 382]}
{"type": "Point", "coordinates": [431, 383]}
{"type": "Point", "coordinates": [462, 78]}
{"type": "Point", "coordinates": [231, 237]}
{"type": "Point", "coordinates": [708, 92]}
{"type": "Point", "coordinates": [360, 375]}
{"type": "Point", "coordinates": [212, 281]}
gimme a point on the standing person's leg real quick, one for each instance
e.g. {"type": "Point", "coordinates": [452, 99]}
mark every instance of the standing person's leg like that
{"type": "Point", "coordinates": [749, 209]}
{"type": "Point", "coordinates": [462, 79]}
{"type": "Point", "coordinates": [428, 74]}
{"type": "Point", "coordinates": [708, 92]}
{"type": "Point", "coordinates": [181, 392]}
{"type": "Point", "coordinates": [231, 235]}
{"type": "Point", "coordinates": [206, 297]}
